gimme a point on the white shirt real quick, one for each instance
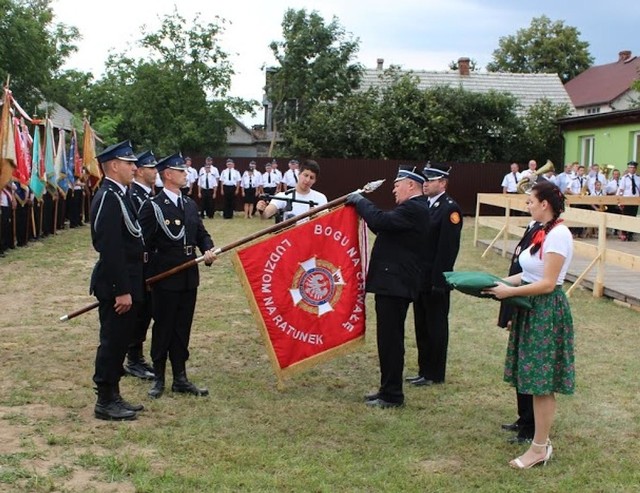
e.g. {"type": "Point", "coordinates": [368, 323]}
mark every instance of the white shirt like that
{"type": "Point", "coordinates": [297, 208]}
{"type": "Point", "coordinates": [613, 186]}
{"type": "Point", "coordinates": [626, 189]}
{"type": "Point", "coordinates": [192, 176]}
{"type": "Point", "coordinates": [253, 180]}
{"type": "Point", "coordinates": [213, 176]}
{"type": "Point", "coordinates": [173, 197]}
{"type": "Point", "coordinates": [274, 176]}
{"type": "Point", "coordinates": [510, 182]}
{"type": "Point", "coordinates": [563, 180]}
{"type": "Point", "coordinates": [290, 179]}
{"type": "Point", "coordinates": [559, 240]}
{"type": "Point", "coordinates": [592, 181]}
{"type": "Point", "coordinates": [576, 184]}
{"type": "Point", "coordinates": [230, 177]}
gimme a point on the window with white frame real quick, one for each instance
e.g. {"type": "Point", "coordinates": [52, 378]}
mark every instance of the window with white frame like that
{"type": "Point", "coordinates": [587, 145]}
{"type": "Point", "coordinates": [593, 110]}
{"type": "Point", "coordinates": [636, 147]}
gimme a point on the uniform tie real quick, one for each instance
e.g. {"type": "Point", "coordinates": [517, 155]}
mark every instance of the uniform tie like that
{"type": "Point", "coordinates": [180, 203]}
{"type": "Point", "coordinates": [634, 188]}
{"type": "Point", "coordinates": [206, 180]}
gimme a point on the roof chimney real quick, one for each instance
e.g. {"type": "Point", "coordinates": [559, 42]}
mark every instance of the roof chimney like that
{"type": "Point", "coordinates": [463, 66]}
{"type": "Point", "coordinates": [380, 64]}
{"type": "Point", "coordinates": [624, 55]}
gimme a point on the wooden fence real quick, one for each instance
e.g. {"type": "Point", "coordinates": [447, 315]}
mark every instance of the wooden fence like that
{"type": "Point", "coordinates": [600, 256]}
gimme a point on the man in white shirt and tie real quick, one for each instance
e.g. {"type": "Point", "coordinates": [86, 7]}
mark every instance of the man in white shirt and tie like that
{"type": "Point", "coordinates": [230, 179]}
{"type": "Point", "coordinates": [208, 188]}
{"type": "Point", "coordinates": [629, 187]}
{"type": "Point", "coordinates": [511, 179]}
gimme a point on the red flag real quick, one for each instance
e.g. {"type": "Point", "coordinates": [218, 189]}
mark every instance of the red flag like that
{"type": "Point", "coordinates": [23, 158]}
{"type": "Point", "coordinates": [306, 289]}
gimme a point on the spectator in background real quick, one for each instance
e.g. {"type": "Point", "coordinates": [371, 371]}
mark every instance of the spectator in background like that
{"type": "Point", "coordinates": [511, 179]}
{"type": "Point", "coordinates": [208, 188]}
{"type": "Point", "coordinates": [629, 187]}
{"type": "Point", "coordinates": [270, 180]}
{"type": "Point", "coordinates": [290, 178]}
{"type": "Point", "coordinates": [230, 181]}
{"type": "Point", "coordinates": [251, 187]}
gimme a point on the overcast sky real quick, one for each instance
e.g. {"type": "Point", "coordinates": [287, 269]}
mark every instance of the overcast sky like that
{"type": "Point", "coordinates": [416, 34]}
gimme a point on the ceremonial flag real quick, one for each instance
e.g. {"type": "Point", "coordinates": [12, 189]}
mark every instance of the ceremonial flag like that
{"type": "Point", "coordinates": [60, 164]}
{"type": "Point", "coordinates": [23, 157]}
{"type": "Point", "coordinates": [7, 141]}
{"type": "Point", "coordinates": [306, 289]}
{"type": "Point", "coordinates": [74, 162]}
{"type": "Point", "coordinates": [36, 184]}
{"type": "Point", "coordinates": [49, 160]}
{"type": "Point", "coordinates": [89, 156]}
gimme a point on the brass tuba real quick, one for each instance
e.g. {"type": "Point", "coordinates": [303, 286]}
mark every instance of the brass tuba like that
{"type": "Point", "coordinates": [526, 184]}
{"type": "Point", "coordinates": [607, 171]}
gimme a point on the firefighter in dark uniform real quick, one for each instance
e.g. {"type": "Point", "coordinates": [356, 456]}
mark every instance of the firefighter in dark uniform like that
{"type": "Point", "coordinates": [173, 229]}
{"type": "Point", "coordinates": [395, 274]}
{"type": "Point", "coordinates": [431, 309]}
{"type": "Point", "coordinates": [117, 280]}
{"type": "Point", "coordinates": [140, 191]}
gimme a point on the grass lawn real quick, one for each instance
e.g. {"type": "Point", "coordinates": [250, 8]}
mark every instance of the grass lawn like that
{"type": "Point", "coordinates": [315, 435]}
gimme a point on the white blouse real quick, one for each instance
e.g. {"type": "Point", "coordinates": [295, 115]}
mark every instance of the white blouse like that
{"type": "Point", "coordinates": [559, 240]}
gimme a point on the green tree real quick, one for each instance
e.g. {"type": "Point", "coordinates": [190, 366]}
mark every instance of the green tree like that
{"type": "Point", "coordinates": [314, 66]}
{"type": "Point", "coordinates": [176, 97]}
{"type": "Point", "coordinates": [542, 139]}
{"type": "Point", "coordinates": [401, 121]}
{"type": "Point", "coordinates": [543, 47]}
{"type": "Point", "coordinates": [32, 49]}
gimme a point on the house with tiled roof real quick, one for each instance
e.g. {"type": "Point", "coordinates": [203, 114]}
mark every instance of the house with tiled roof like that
{"type": "Point", "coordinates": [605, 88]}
{"type": "Point", "coordinates": [526, 88]}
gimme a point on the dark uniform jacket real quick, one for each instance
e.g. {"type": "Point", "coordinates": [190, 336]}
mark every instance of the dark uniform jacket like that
{"type": "Point", "coordinates": [138, 195]}
{"type": "Point", "coordinates": [119, 268]}
{"type": "Point", "coordinates": [165, 252]}
{"type": "Point", "coordinates": [397, 262]}
{"type": "Point", "coordinates": [444, 241]}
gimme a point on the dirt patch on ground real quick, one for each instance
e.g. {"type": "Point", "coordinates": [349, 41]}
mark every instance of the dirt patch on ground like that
{"type": "Point", "coordinates": [37, 453]}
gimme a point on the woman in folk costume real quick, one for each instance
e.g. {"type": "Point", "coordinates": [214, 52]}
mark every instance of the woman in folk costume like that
{"type": "Point", "coordinates": [540, 359]}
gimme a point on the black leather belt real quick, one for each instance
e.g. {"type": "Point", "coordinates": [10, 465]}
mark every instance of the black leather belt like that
{"type": "Point", "coordinates": [186, 249]}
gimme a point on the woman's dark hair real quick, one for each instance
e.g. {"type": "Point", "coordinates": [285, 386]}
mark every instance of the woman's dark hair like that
{"type": "Point", "coordinates": [545, 190]}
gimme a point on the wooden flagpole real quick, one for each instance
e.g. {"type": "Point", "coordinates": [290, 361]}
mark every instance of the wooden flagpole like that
{"type": "Point", "coordinates": [368, 188]}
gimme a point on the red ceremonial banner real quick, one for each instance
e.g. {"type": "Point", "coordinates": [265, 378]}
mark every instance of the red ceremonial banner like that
{"type": "Point", "coordinates": [306, 288]}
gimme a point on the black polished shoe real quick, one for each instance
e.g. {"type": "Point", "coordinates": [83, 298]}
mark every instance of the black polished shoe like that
{"type": "Point", "coordinates": [510, 426]}
{"type": "Point", "coordinates": [413, 378]}
{"type": "Point", "coordinates": [424, 382]}
{"type": "Point", "coordinates": [113, 411]}
{"type": "Point", "coordinates": [382, 404]}
{"type": "Point", "coordinates": [519, 440]}
{"type": "Point", "coordinates": [128, 405]}
{"type": "Point", "coordinates": [156, 391]}
{"type": "Point", "coordinates": [139, 370]}
{"type": "Point", "coordinates": [371, 397]}
{"type": "Point", "coordinates": [183, 386]}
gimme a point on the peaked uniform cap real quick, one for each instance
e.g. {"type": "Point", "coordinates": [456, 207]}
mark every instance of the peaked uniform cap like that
{"type": "Point", "coordinates": [409, 171]}
{"type": "Point", "coordinates": [436, 171]}
{"type": "Point", "coordinates": [122, 150]}
{"type": "Point", "coordinates": [146, 159]}
{"type": "Point", "coordinates": [173, 161]}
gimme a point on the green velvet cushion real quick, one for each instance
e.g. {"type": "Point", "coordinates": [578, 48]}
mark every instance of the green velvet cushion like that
{"type": "Point", "coordinates": [473, 282]}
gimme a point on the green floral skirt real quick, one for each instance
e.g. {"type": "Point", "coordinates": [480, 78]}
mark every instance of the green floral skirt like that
{"type": "Point", "coordinates": [540, 358]}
